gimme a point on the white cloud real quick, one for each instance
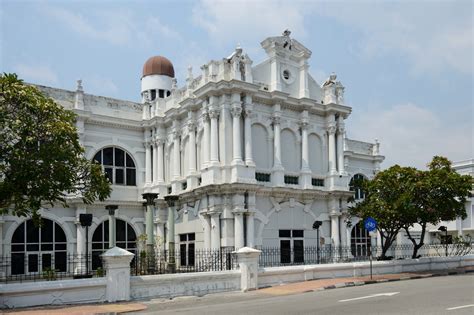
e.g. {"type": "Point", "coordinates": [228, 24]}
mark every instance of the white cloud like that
{"type": "Point", "coordinates": [433, 36]}
{"type": "Point", "coordinates": [249, 21]}
{"type": "Point", "coordinates": [116, 26]}
{"type": "Point", "coordinates": [411, 134]}
{"type": "Point", "coordinates": [99, 85]}
{"type": "Point", "coordinates": [40, 74]}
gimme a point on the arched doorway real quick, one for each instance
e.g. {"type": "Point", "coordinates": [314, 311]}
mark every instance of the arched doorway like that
{"type": "Point", "coordinates": [37, 248]}
{"type": "Point", "coordinates": [360, 240]}
{"type": "Point", "coordinates": [125, 237]}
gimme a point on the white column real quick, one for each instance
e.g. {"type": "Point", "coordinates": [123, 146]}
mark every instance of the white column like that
{"type": "Point", "coordinates": [149, 225]}
{"type": "Point", "coordinates": [277, 143]}
{"type": "Point", "coordinates": [237, 146]}
{"type": "Point", "coordinates": [250, 229]}
{"type": "Point", "coordinates": [332, 149]}
{"type": "Point", "coordinates": [155, 163]}
{"type": "Point", "coordinates": [147, 163]}
{"type": "Point", "coordinates": [214, 114]}
{"type": "Point", "coordinates": [304, 91]}
{"type": "Point", "coordinates": [340, 146]}
{"type": "Point", "coordinates": [192, 148]}
{"type": "Point", "coordinates": [304, 147]}
{"type": "Point", "coordinates": [112, 232]}
{"type": "Point", "coordinates": [275, 75]}
{"type": "Point", "coordinates": [81, 233]}
{"type": "Point", "coordinates": [206, 136]}
{"type": "Point", "coordinates": [160, 159]}
{"type": "Point", "coordinates": [335, 229]}
{"type": "Point", "coordinates": [215, 231]}
{"type": "Point", "coordinates": [176, 157]}
{"type": "Point", "coordinates": [238, 229]}
{"type": "Point", "coordinates": [207, 231]}
{"type": "Point", "coordinates": [248, 133]}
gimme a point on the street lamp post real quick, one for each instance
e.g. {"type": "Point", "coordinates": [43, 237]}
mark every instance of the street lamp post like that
{"type": "Point", "coordinates": [171, 200]}
{"type": "Point", "coordinates": [112, 226]}
{"type": "Point", "coordinates": [86, 220]}
{"type": "Point", "coordinates": [316, 226]}
{"type": "Point", "coordinates": [444, 229]}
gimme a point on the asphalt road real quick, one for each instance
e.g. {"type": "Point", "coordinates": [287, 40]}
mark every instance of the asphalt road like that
{"type": "Point", "coordinates": [438, 295]}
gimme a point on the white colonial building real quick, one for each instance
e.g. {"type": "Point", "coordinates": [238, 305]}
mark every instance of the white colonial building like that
{"type": "Point", "coordinates": [256, 154]}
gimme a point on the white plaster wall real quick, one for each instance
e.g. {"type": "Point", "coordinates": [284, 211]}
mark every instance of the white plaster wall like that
{"type": "Point", "coordinates": [263, 156]}
{"type": "Point", "coordinates": [316, 154]}
{"type": "Point", "coordinates": [291, 151]}
{"type": "Point", "coordinates": [156, 81]}
{"type": "Point", "coordinates": [197, 284]}
{"type": "Point", "coordinates": [14, 295]}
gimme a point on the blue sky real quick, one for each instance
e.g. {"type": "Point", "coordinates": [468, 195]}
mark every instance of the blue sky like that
{"type": "Point", "coordinates": [407, 65]}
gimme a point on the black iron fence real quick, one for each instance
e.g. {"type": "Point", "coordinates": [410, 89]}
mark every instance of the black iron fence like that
{"type": "Point", "coordinates": [21, 267]}
{"type": "Point", "coordinates": [183, 261]}
{"type": "Point", "coordinates": [276, 256]}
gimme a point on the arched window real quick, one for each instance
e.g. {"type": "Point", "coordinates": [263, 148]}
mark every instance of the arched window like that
{"type": "Point", "coordinates": [358, 192]}
{"type": "Point", "coordinates": [118, 165]}
{"type": "Point", "coordinates": [360, 240]}
{"type": "Point", "coordinates": [125, 238]}
{"type": "Point", "coordinates": [34, 249]}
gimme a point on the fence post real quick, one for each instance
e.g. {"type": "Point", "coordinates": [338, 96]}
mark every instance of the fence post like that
{"type": "Point", "coordinates": [117, 267]}
{"type": "Point", "coordinates": [248, 262]}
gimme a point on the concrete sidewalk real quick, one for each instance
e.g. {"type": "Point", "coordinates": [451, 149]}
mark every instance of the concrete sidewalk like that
{"type": "Point", "coordinates": [284, 289]}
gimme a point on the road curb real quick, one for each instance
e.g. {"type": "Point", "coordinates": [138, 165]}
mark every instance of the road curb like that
{"type": "Point", "coordinates": [414, 277]}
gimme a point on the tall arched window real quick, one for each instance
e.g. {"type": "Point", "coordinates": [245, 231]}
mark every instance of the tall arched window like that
{"type": "Point", "coordinates": [358, 192]}
{"type": "Point", "coordinates": [360, 240]}
{"type": "Point", "coordinates": [125, 238]}
{"type": "Point", "coordinates": [34, 249]}
{"type": "Point", "coordinates": [118, 165]}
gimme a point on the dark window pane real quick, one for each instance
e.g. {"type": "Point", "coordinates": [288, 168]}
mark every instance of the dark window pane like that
{"type": "Point", "coordinates": [298, 250]}
{"type": "Point", "coordinates": [60, 261]}
{"type": "Point", "coordinates": [191, 254]}
{"type": "Point", "coordinates": [47, 231]}
{"type": "Point", "coordinates": [120, 230]}
{"type": "Point", "coordinates": [96, 261]}
{"type": "Point", "coordinates": [59, 235]}
{"type": "Point", "coordinates": [161, 93]}
{"type": "Point", "coordinates": [18, 264]}
{"type": "Point", "coordinates": [131, 181]}
{"type": "Point", "coordinates": [119, 157]}
{"type": "Point", "coordinates": [153, 94]}
{"type": "Point", "coordinates": [285, 233]}
{"type": "Point", "coordinates": [182, 254]}
{"type": "Point", "coordinates": [98, 157]}
{"type": "Point", "coordinates": [108, 156]}
{"type": "Point", "coordinates": [285, 252]}
{"type": "Point", "coordinates": [46, 261]}
{"type": "Point", "coordinates": [298, 233]}
{"type": "Point", "coordinates": [131, 245]}
{"type": "Point", "coordinates": [33, 263]}
{"type": "Point", "coordinates": [119, 178]}
{"type": "Point", "coordinates": [121, 245]}
{"type": "Point", "coordinates": [32, 232]}
{"type": "Point", "coordinates": [18, 248]}
{"type": "Point", "coordinates": [45, 247]}
{"type": "Point", "coordinates": [106, 231]}
{"type": "Point", "coordinates": [97, 246]}
{"type": "Point", "coordinates": [191, 237]}
{"type": "Point", "coordinates": [60, 246]}
{"type": "Point", "coordinates": [131, 236]}
{"type": "Point", "coordinates": [32, 247]}
{"type": "Point", "coordinates": [168, 93]}
{"type": "Point", "coordinates": [97, 236]}
{"type": "Point", "coordinates": [130, 161]}
{"type": "Point", "coordinates": [19, 235]}
{"type": "Point", "coordinates": [108, 174]}
{"type": "Point", "coordinates": [183, 237]}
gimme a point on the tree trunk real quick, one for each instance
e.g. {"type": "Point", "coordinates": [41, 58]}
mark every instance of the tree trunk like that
{"type": "Point", "coordinates": [416, 246]}
{"type": "Point", "coordinates": [387, 241]}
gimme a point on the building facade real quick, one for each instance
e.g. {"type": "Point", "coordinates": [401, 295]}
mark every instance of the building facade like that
{"type": "Point", "coordinates": [256, 154]}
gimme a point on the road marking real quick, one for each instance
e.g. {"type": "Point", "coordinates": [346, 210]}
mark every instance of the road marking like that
{"type": "Point", "coordinates": [458, 307]}
{"type": "Point", "coordinates": [370, 296]}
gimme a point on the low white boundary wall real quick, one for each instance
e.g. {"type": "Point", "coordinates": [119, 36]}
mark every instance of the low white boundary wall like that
{"type": "Point", "coordinates": [172, 285]}
{"type": "Point", "coordinates": [279, 275]}
{"type": "Point", "coordinates": [59, 292]}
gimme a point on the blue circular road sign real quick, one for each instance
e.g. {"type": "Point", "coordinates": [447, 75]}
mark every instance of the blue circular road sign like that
{"type": "Point", "coordinates": [370, 224]}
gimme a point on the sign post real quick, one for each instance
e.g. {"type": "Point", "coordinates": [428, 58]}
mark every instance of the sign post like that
{"type": "Point", "coordinates": [370, 225]}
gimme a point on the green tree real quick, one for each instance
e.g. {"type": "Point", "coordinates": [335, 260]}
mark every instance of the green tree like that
{"type": "Point", "coordinates": [41, 159]}
{"type": "Point", "coordinates": [437, 194]}
{"type": "Point", "coordinates": [386, 198]}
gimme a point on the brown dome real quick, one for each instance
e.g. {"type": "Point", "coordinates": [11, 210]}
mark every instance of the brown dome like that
{"type": "Point", "coordinates": [158, 65]}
